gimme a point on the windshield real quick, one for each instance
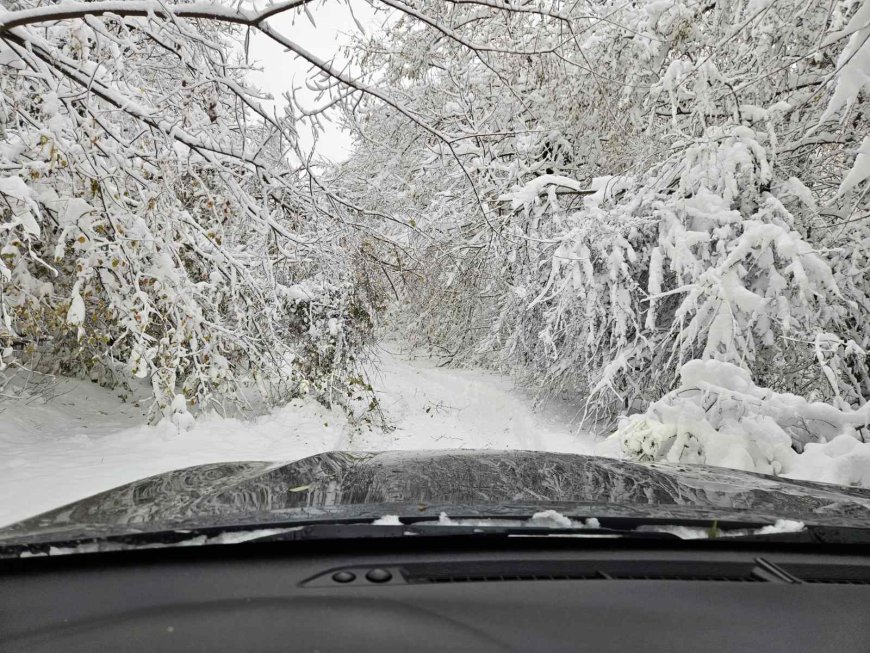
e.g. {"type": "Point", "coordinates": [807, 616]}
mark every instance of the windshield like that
{"type": "Point", "coordinates": [628, 239]}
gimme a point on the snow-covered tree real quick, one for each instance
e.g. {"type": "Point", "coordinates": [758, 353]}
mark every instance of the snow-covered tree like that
{"type": "Point", "coordinates": [613, 190]}
{"type": "Point", "coordinates": [152, 225]}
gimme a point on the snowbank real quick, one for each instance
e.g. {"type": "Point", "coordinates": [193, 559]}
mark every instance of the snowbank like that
{"type": "Point", "coordinates": [718, 416]}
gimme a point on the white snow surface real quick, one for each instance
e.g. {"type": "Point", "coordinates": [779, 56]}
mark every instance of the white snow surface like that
{"type": "Point", "coordinates": [84, 440]}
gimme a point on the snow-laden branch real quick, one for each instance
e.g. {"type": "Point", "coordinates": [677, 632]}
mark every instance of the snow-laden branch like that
{"type": "Point", "coordinates": [70, 69]}
{"type": "Point", "coordinates": [452, 34]}
{"type": "Point", "coordinates": [516, 8]}
{"type": "Point", "coordinates": [12, 22]}
{"type": "Point", "coordinates": [526, 194]}
{"type": "Point", "coordinates": [208, 10]}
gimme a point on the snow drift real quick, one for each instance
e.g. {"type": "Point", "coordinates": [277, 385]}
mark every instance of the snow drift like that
{"type": "Point", "coordinates": [718, 416]}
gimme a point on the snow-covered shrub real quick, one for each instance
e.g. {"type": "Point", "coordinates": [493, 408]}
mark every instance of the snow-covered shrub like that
{"type": "Point", "coordinates": [718, 416]}
{"type": "Point", "coordinates": [152, 226]}
{"type": "Point", "coordinates": [641, 284]}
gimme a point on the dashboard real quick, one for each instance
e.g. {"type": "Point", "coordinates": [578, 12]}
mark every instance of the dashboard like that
{"type": "Point", "coordinates": [522, 594]}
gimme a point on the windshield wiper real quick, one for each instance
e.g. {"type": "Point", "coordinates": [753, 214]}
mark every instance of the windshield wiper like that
{"type": "Point", "coordinates": [640, 530]}
{"type": "Point", "coordinates": [372, 531]}
{"type": "Point", "coordinates": [493, 529]}
{"type": "Point", "coordinates": [294, 531]}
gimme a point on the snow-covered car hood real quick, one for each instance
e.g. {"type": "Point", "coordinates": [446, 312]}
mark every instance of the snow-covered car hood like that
{"type": "Point", "coordinates": [344, 485]}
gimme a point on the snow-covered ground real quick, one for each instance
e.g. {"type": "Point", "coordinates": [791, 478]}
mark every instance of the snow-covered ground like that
{"type": "Point", "coordinates": [85, 440]}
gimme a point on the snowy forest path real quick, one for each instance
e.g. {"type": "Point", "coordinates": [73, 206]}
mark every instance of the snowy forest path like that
{"type": "Point", "coordinates": [85, 440]}
{"type": "Point", "coordinates": [434, 407]}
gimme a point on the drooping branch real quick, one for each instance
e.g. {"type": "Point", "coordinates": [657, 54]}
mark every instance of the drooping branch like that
{"type": "Point", "coordinates": [73, 10]}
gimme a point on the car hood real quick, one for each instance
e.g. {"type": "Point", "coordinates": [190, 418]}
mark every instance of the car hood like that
{"type": "Point", "coordinates": [344, 485]}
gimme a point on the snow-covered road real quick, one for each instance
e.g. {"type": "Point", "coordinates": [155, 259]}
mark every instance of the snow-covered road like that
{"type": "Point", "coordinates": [85, 440]}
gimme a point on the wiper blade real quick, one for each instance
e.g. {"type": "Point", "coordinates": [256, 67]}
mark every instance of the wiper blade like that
{"type": "Point", "coordinates": [334, 530]}
{"type": "Point", "coordinates": [635, 529]}
{"type": "Point", "coordinates": [146, 540]}
{"type": "Point", "coordinates": [371, 531]}
{"type": "Point", "coordinates": [350, 529]}
{"type": "Point", "coordinates": [811, 534]}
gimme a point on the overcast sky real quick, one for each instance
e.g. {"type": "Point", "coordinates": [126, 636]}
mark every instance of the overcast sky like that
{"type": "Point", "coordinates": [282, 70]}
